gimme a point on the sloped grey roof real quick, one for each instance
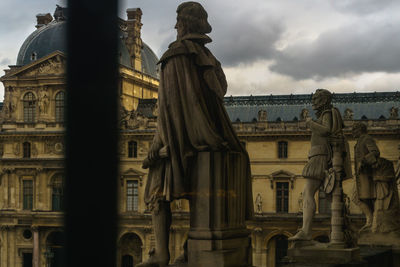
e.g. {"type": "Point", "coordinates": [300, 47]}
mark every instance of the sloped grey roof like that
{"type": "Point", "coordinates": [289, 107]}
{"type": "Point", "coordinates": [149, 61]}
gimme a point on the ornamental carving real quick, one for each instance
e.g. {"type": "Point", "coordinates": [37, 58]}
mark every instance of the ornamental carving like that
{"type": "Point", "coordinates": [53, 66]}
{"type": "Point", "coordinates": [53, 147]}
{"type": "Point", "coordinates": [262, 115]}
{"type": "Point", "coordinates": [43, 102]}
{"type": "Point", "coordinates": [155, 110]}
{"type": "Point", "coordinates": [304, 114]}
{"type": "Point", "coordinates": [133, 120]}
{"type": "Point", "coordinates": [10, 103]}
{"type": "Point", "coordinates": [17, 149]}
{"type": "Point", "coordinates": [348, 114]}
{"type": "Point", "coordinates": [34, 150]}
{"type": "Point", "coordinates": [258, 204]}
{"type": "Point", "coordinates": [394, 113]}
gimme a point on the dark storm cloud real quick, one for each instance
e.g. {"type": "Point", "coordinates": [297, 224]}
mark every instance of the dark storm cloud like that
{"type": "Point", "coordinates": [363, 7]}
{"type": "Point", "coordinates": [348, 50]}
{"type": "Point", "coordinates": [240, 35]}
{"type": "Point", "coordinates": [242, 40]}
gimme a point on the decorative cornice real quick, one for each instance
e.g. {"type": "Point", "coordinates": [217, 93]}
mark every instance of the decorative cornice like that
{"type": "Point", "coordinates": [306, 99]}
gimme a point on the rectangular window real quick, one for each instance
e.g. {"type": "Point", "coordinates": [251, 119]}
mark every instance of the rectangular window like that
{"type": "Point", "coordinates": [282, 197]}
{"type": "Point", "coordinates": [282, 150]}
{"type": "Point", "coordinates": [132, 149]}
{"type": "Point", "coordinates": [27, 194]}
{"type": "Point", "coordinates": [132, 195]}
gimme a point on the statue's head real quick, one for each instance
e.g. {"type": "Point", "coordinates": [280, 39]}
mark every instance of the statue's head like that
{"type": "Point", "coordinates": [358, 129]}
{"type": "Point", "coordinates": [321, 100]}
{"type": "Point", "coordinates": [191, 18]}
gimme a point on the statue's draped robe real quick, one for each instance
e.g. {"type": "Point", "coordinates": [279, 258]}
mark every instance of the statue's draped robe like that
{"type": "Point", "coordinates": [373, 183]}
{"type": "Point", "coordinates": [192, 118]}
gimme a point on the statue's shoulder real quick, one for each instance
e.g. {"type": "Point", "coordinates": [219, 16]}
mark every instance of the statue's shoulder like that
{"type": "Point", "coordinates": [326, 114]}
{"type": "Point", "coordinates": [189, 44]}
{"type": "Point", "coordinates": [174, 49]}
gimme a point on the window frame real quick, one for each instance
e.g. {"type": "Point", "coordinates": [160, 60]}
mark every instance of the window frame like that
{"type": "Point", "coordinates": [59, 106]}
{"type": "Point", "coordinates": [283, 150]}
{"type": "Point", "coordinates": [134, 196]}
{"type": "Point", "coordinates": [132, 149]}
{"type": "Point", "coordinates": [26, 150]}
{"type": "Point", "coordinates": [57, 184]}
{"type": "Point", "coordinates": [25, 202]}
{"type": "Point", "coordinates": [280, 199]}
{"type": "Point", "coordinates": [29, 107]}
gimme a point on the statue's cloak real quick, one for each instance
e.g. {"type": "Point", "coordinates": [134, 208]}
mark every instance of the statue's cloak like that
{"type": "Point", "coordinates": [192, 118]}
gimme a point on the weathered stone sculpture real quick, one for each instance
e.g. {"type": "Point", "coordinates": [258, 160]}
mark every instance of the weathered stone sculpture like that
{"type": "Point", "coordinates": [327, 166]}
{"type": "Point", "coordinates": [259, 204]}
{"type": "Point", "coordinates": [300, 202]}
{"type": "Point", "coordinates": [325, 159]}
{"type": "Point", "coordinates": [196, 154]}
{"type": "Point", "coordinates": [376, 190]}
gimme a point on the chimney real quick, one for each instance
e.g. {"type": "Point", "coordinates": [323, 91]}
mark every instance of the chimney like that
{"type": "Point", "coordinates": [133, 40]}
{"type": "Point", "coordinates": [43, 20]}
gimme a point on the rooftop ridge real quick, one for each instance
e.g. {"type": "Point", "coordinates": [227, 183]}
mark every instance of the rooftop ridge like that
{"type": "Point", "coordinates": [306, 98]}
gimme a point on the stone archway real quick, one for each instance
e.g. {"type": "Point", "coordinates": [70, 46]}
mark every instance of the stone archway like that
{"type": "Point", "coordinates": [277, 247]}
{"type": "Point", "coordinates": [129, 250]}
{"type": "Point", "coordinates": [54, 253]}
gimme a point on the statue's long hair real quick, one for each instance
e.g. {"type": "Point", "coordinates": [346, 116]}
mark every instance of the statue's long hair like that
{"type": "Point", "coordinates": [194, 18]}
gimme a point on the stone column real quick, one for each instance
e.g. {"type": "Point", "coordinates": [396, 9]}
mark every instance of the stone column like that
{"type": "Point", "coordinates": [258, 253]}
{"type": "Point", "coordinates": [5, 245]}
{"type": "Point", "coordinates": [218, 234]}
{"type": "Point", "coordinates": [337, 221]}
{"type": "Point", "coordinates": [36, 248]}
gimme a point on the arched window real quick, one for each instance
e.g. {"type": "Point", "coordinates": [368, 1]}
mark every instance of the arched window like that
{"type": "Point", "coordinates": [57, 194]}
{"type": "Point", "coordinates": [29, 107]}
{"type": "Point", "coordinates": [60, 98]}
{"type": "Point", "coordinates": [282, 149]}
{"type": "Point", "coordinates": [131, 250]}
{"type": "Point", "coordinates": [132, 149]}
{"type": "Point", "coordinates": [27, 149]}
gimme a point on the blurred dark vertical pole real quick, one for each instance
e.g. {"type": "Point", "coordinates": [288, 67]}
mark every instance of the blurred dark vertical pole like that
{"type": "Point", "coordinates": [91, 134]}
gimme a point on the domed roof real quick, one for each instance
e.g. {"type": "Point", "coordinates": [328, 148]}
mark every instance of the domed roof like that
{"type": "Point", "coordinates": [51, 37]}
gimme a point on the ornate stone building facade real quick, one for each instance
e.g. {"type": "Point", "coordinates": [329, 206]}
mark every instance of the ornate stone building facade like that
{"type": "Point", "coordinates": [32, 138]}
{"type": "Point", "coordinates": [271, 127]}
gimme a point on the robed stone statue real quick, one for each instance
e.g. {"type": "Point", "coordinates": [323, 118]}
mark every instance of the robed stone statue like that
{"type": "Point", "coordinates": [192, 119]}
{"type": "Point", "coordinates": [375, 188]}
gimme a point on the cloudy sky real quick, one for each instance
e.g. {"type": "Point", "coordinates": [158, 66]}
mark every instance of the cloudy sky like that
{"type": "Point", "coordinates": [265, 46]}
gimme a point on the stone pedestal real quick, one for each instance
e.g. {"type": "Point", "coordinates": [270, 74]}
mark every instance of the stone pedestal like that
{"type": "Point", "coordinates": [322, 253]}
{"type": "Point", "coordinates": [218, 234]}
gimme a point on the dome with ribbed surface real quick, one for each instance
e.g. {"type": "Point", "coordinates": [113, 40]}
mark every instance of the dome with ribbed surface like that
{"type": "Point", "coordinates": [52, 37]}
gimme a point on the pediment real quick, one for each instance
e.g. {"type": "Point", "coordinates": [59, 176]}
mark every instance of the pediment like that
{"type": "Point", "coordinates": [282, 174]}
{"type": "Point", "coordinates": [53, 64]}
{"type": "Point", "coordinates": [132, 172]}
